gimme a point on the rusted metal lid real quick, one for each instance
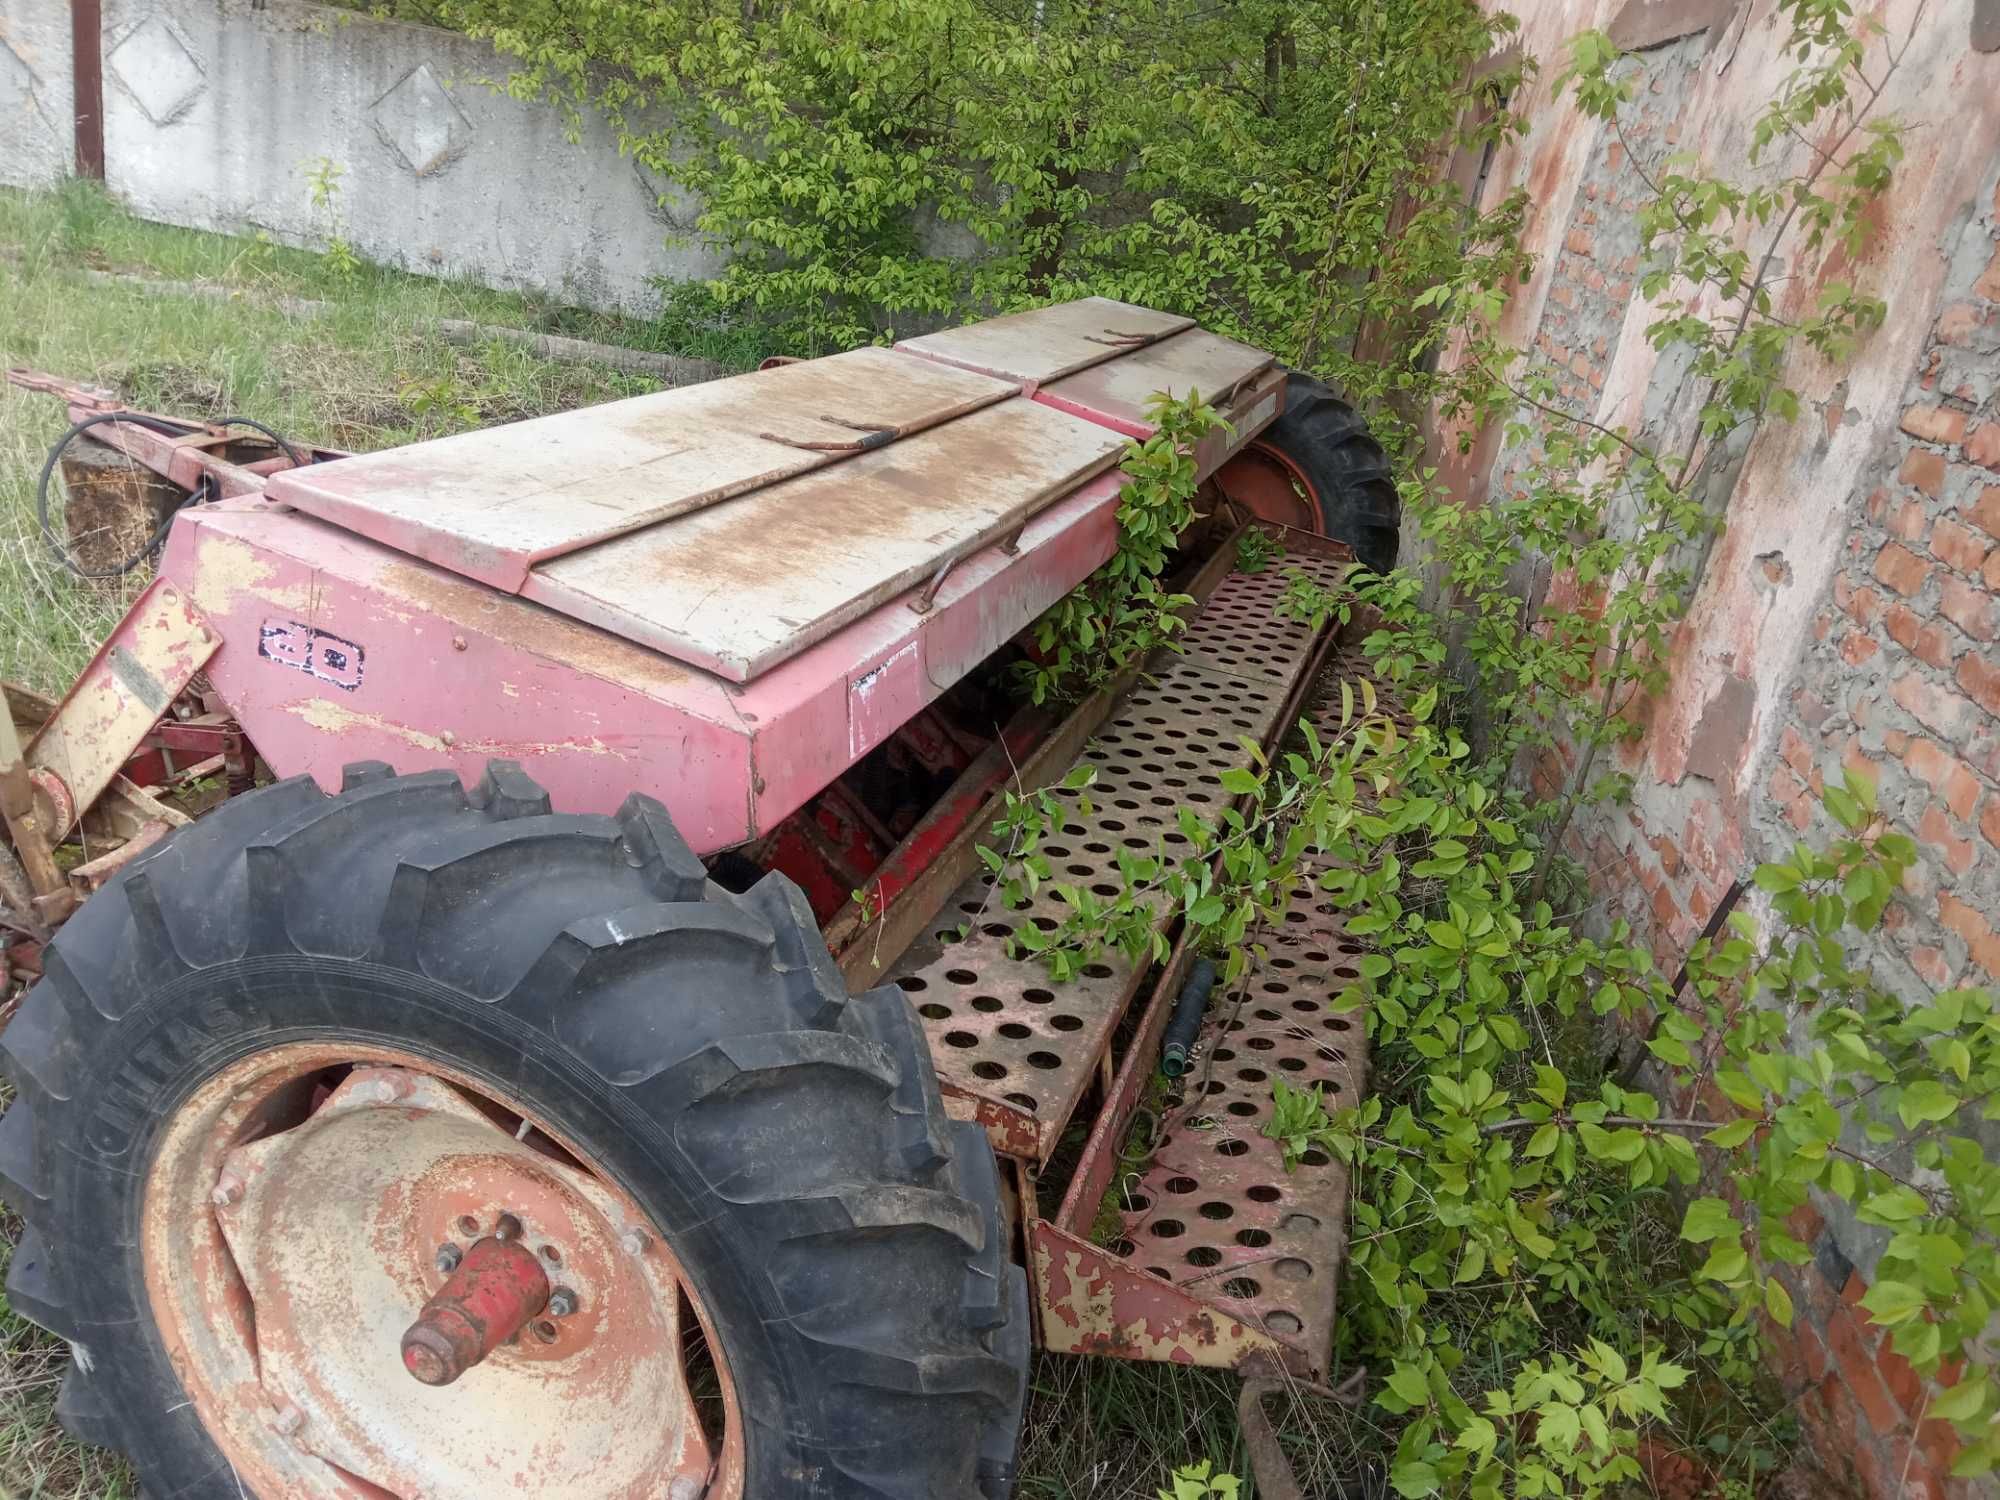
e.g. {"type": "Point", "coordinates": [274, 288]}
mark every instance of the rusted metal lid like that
{"type": "Point", "coordinates": [738, 587]}
{"type": "Point", "coordinates": [1033, 348]}
{"type": "Point", "coordinates": [491, 504]}
{"type": "Point", "coordinates": [1195, 361]}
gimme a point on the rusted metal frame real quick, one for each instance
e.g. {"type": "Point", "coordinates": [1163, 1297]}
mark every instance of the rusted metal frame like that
{"type": "Point", "coordinates": [88, 877]}
{"type": "Point", "coordinates": [1095, 1168]}
{"type": "Point", "coordinates": [902, 923]}
{"type": "Point", "coordinates": [124, 808]}
{"type": "Point", "coordinates": [935, 831]}
{"type": "Point", "coordinates": [32, 843]}
{"type": "Point", "coordinates": [180, 457]}
{"type": "Point", "coordinates": [1089, 1301]}
{"type": "Point", "coordinates": [115, 703]}
{"type": "Point", "coordinates": [1015, 1134]}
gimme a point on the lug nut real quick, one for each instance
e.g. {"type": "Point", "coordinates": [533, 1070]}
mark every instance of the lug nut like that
{"type": "Point", "coordinates": [633, 1242]}
{"type": "Point", "coordinates": [545, 1331]}
{"type": "Point", "coordinates": [228, 1191]}
{"type": "Point", "coordinates": [562, 1302]}
{"type": "Point", "coordinates": [507, 1229]}
{"type": "Point", "coordinates": [448, 1257]}
{"type": "Point", "coordinates": [287, 1420]}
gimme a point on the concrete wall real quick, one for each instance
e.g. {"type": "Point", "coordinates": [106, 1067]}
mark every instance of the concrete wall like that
{"type": "Point", "coordinates": [36, 129]}
{"type": "Point", "coordinates": [218, 112]}
{"type": "Point", "coordinates": [1849, 615]}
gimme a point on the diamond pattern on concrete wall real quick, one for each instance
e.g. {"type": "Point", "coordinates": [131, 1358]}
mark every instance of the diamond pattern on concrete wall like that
{"type": "Point", "coordinates": [156, 68]}
{"type": "Point", "coordinates": [419, 121]}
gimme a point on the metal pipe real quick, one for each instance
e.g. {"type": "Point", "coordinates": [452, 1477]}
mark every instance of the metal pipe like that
{"type": "Point", "coordinates": [1185, 1025]}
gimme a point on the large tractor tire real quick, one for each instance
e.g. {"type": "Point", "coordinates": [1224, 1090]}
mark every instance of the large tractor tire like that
{"type": "Point", "coordinates": [1318, 468]}
{"type": "Point", "coordinates": [316, 1052]}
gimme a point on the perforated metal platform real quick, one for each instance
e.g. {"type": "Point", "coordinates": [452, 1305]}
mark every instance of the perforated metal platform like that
{"type": "Point", "coordinates": [1216, 1212]}
{"type": "Point", "coordinates": [999, 1029]}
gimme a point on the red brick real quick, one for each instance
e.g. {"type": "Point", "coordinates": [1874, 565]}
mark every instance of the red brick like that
{"type": "Point", "coordinates": [1930, 963]}
{"type": "Point", "coordinates": [1902, 624]}
{"type": "Point", "coordinates": [1989, 820]}
{"type": "Point", "coordinates": [1970, 925]}
{"type": "Point", "coordinates": [1901, 569]}
{"type": "Point", "coordinates": [1856, 648]}
{"type": "Point", "coordinates": [1938, 709]}
{"type": "Point", "coordinates": [1935, 829]}
{"type": "Point", "coordinates": [1579, 242]}
{"type": "Point", "coordinates": [1854, 1357]}
{"type": "Point", "coordinates": [1935, 424]}
{"type": "Point", "coordinates": [1973, 610]}
{"type": "Point", "coordinates": [1925, 470]}
{"type": "Point", "coordinates": [1980, 677]}
{"type": "Point", "coordinates": [1864, 605]}
{"type": "Point", "coordinates": [1983, 447]}
{"type": "Point", "coordinates": [1957, 324]}
{"type": "Point", "coordinates": [1947, 774]}
{"type": "Point", "coordinates": [1990, 574]}
{"type": "Point", "coordinates": [1958, 547]}
{"type": "Point", "coordinates": [1796, 752]}
{"type": "Point", "coordinates": [1988, 284]}
{"type": "Point", "coordinates": [1669, 853]}
{"type": "Point", "coordinates": [1909, 521]}
{"type": "Point", "coordinates": [1986, 513]}
{"type": "Point", "coordinates": [1938, 1442]}
{"type": "Point", "coordinates": [1903, 1381]}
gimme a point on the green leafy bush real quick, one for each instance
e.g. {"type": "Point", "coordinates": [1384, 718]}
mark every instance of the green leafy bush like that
{"type": "Point", "coordinates": [872, 165]}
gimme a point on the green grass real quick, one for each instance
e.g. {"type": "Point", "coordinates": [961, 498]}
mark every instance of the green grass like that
{"type": "Point", "coordinates": [367, 373]}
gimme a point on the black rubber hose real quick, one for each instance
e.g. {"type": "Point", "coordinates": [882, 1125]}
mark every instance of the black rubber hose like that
{"type": "Point", "coordinates": [155, 424]}
{"type": "Point", "coordinates": [298, 458]}
{"type": "Point", "coordinates": [1185, 1024]}
{"type": "Point", "coordinates": [55, 546]}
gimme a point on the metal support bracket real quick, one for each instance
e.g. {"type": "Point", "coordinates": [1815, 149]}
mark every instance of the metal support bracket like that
{"type": "Point", "coordinates": [135, 676]}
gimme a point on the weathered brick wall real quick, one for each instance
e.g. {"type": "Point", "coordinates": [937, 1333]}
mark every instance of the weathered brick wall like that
{"type": "Point", "coordinates": [1850, 616]}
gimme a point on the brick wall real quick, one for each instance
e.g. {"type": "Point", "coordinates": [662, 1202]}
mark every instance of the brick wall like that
{"type": "Point", "coordinates": [1850, 617]}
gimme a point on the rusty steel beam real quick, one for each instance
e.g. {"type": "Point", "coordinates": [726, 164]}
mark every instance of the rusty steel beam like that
{"type": "Point", "coordinates": [86, 43]}
{"type": "Point", "coordinates": [115, 703]}
{"type": "Point", "coordinates": [32, 844]}
{"type": "Point", "coordinates": [1090, 1301]}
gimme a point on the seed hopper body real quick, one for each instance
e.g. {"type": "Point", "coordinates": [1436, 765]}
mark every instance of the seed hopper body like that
{"type": "Point", "coordinates": [723, 595]}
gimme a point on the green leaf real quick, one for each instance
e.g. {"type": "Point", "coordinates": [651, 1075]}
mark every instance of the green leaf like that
{"type": "Point", "coordinates": [1414, 1479]}
{"type": "Point", "coordinates": [1724, 1263]}
{"type": "Point", "coordinates": [1407, 1381]}
{"type": "Point", "coordinates": [1445, 935]}
{"type": "Point", "coordinates": [1735, 1133]}
{"type": "Point", "coordinates": [1543, 1141]}
{"type": "Point", "coordinates": [1709, 1219]}
{"type": "Point", "coordinates": [1239, 782]}
{"type": "Point", "coordinates": [1891, 1302]}
{"type": "Point", "coordinates": [1778, 1302]}
{"type": "Point", "coordinates": [1926, 1100]}
{"type": "Point", "coordinates": [1962, 1402]}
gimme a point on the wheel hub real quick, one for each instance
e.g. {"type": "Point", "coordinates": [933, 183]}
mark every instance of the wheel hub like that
{"type": "Point", "coordinates": [402, 1229]}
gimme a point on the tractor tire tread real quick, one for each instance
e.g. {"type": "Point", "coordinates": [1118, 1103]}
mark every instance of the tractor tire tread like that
{"type": "Point", "coordinates": [807, 1122]}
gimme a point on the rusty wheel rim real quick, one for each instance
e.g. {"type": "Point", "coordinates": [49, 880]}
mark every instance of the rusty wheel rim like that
{"type": "Point", "coordinates": [307, 1203]}
{"type": "Point", "coordinates": [1271, 487]}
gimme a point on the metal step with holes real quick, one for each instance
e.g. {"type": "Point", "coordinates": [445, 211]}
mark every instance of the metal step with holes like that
{"type": "Point", "coordinates": [1001, 1031]}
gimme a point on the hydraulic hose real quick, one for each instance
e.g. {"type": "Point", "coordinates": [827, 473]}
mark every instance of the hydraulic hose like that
{"type": "Point", "coordinates": [1185, 1024]}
